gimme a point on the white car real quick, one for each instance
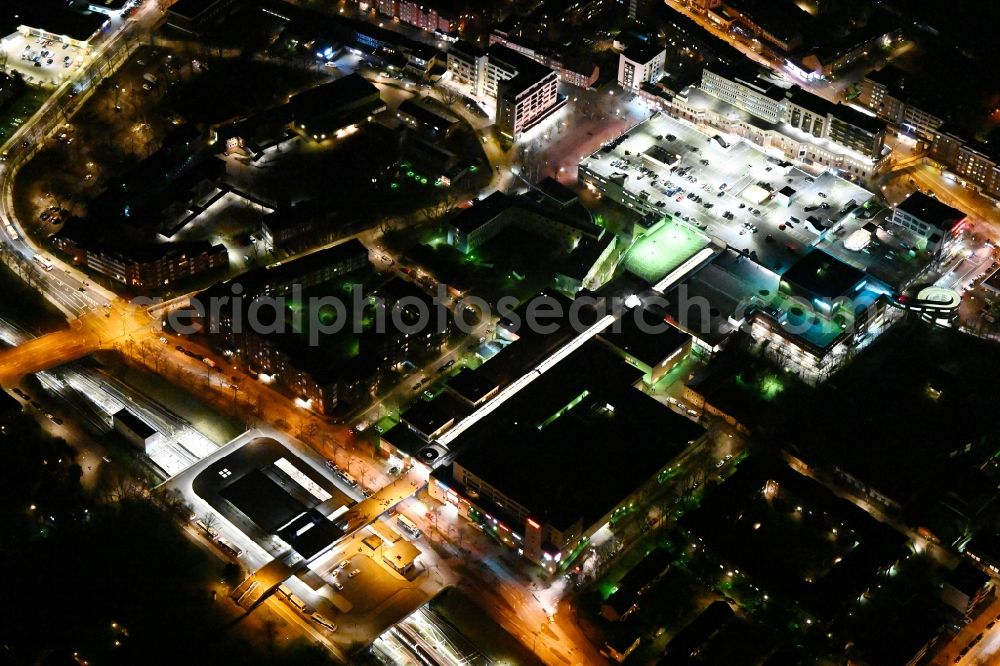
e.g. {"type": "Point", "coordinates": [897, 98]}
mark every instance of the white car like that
{"type": "Point", "coordinates": [354, 572]}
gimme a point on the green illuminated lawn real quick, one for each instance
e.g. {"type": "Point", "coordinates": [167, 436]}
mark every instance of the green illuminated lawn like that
{"type": "Point", "coordinates": [662, 249]}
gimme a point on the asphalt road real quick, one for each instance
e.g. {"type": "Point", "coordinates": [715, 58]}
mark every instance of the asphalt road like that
{"type": "Point", "coordinates": [98, 329]}
{"type": "Point", "coordinates": [985, 652]}
{"type": "Point", "coordinates": [65, 286]}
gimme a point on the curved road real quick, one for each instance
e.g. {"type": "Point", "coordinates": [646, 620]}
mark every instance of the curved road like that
{"type": "Point", "coordinates": [63, 285]}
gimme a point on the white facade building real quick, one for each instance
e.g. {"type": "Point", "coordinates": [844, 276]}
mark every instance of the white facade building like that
{"type": "Point", "coordinates": [640, 64]}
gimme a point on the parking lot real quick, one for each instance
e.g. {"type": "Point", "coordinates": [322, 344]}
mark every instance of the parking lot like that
{"type": "Point", "coordinates": [727, 188]}
{"type": "Point", "coordinates": [42, 62]}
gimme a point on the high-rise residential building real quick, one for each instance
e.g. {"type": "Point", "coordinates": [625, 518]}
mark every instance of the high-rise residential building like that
{"type": "Point", "coordinates": [526, 100]}
{"type": "Point", "coordinates": [640, 63]}
{"type": "Point", "coordinates": [525, 91]}
{"type": "Point", "coordinates": [467, 64]}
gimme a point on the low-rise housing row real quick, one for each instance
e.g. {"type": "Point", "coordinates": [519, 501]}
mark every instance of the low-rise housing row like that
{"type": "Point", "coordinates": [436, 16]}
{"type": "Point", "coordinates": [142, 267]}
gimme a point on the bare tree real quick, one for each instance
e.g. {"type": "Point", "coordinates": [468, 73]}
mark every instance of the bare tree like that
{"type": "Point", "coordinates": [307, 430]}
{"type": "Point", "coordinates": [210, 520]}
{"type": "Point", "coordinates": [449, 95]}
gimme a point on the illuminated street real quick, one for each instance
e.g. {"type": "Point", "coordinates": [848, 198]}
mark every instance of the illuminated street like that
{"type": "Point", "coordinates": [388, 333]}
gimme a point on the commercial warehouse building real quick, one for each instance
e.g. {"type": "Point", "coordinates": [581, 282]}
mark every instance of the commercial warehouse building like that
{"type": "Point", "coordinates": [51, 20]}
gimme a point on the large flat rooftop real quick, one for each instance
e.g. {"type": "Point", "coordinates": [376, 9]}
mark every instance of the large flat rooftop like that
{"type": "Point", "coordinates": [577, 441]}
{"type": "Point", "coordinates": [740, 179]}
{"type": "Point", "coordinates": [931, 211]}
{"type": "Point", "coordinates": [264, 488]}
{"type": "Point", "coordinates": [51, 16]}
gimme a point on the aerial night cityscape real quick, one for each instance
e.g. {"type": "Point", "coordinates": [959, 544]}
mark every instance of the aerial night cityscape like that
{"type": "Point", "coordinates": [500, 333]}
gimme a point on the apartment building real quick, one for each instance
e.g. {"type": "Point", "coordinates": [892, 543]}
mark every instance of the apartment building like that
{"type": "Point", "coordinates": [884, 92]}
{"type": "Point", "coordinates": [142, 267]}
{"type": "Point", "coordinates": [974, 163]}
{"type": "Point", "coordinates": [580, 73]}
{"type": "Point", "coordinates": [526, 100]}
{"type": "Point", "coordinates": [841, 124]}
{"type": "Point", "coordinates": [639, 64]}
{"type": "Point", "coordinates": [433, 17]}
{"type": "Point", "coordinates": [525, 91]}
{"type": "Point", "coordinates": [467, 65]}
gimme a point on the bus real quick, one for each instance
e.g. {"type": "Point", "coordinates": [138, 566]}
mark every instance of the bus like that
{"type": "Point", "coordinates": [323, 622]}
{"type": "Point", "coordinates": [228, 548]}
{"type": "Point", "coordinates": [43, 262]}
{"type": "Point", "coordinates": [408, 526]}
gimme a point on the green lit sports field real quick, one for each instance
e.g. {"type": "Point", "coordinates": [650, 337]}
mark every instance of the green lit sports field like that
{"type": "Point", "coordinates": [662, 249]}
